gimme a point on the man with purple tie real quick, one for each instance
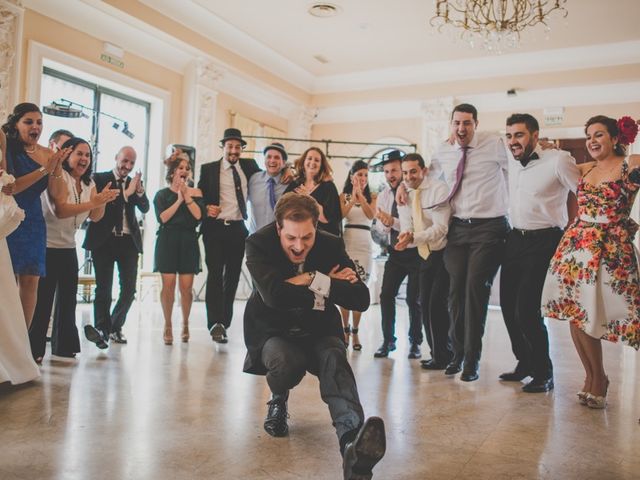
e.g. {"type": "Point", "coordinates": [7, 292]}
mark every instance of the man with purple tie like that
{"type": "Point", "coordinates": [475, 168]}
{"type": "Point", "coordinates": [266, 187]}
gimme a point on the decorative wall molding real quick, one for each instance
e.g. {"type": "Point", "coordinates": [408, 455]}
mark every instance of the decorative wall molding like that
{"type": "Point", "coordinates": [11, 20]}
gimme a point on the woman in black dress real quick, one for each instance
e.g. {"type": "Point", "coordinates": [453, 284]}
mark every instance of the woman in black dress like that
{"type": "Point", "coordinates": [314, 178]}
{"type": "Point", "coordinates": [179, 210]}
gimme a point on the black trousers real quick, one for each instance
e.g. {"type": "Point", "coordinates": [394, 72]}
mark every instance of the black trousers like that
{"type": "Point", "coordinates": [123, 252]}
{"type": "Point", "coordinates": [60, 283]}
{"type": "Point", "coordinates": [472, 258]}
{"type": "Point", "coordinates": [224, 251]}
{"type": "Point", "coordinates": [434, 289]}
{"type": "Point", "coordinates": [287, 361]}
{"type": "Point", "coordinates": [399, 266]}
{"type": "Point", "coordinates": [524, 269]}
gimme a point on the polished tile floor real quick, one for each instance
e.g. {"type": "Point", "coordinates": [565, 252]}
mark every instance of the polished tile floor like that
{"type": "Point", "coordinates": [150, 411]}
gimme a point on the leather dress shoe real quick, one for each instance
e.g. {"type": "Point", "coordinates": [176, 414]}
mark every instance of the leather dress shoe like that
{"type": "Point", "coordinates": [415, 352]}
{"type": "Point", "coordinates": [453, 368]}
{"type": "Point", "coordinates": [538, 385]}
{"type": "Point", "coordinates": [275, 423]}
{"type": "Point", "coordinates": [219, 333]}
{"type": "Point", "coordinates": [96, 336]}
{"type": "Point", "coordinates": [433, 365]}
{"type": "Point", "coordinates": [384, 349]}
{"type": "Point", "coordinates": [469, 376]}
{"type": "Point", "coordinates": [367, 448]}
{"type": "Point", "coordinates": [519, 374]}
{"type": "Point", "coordinates": [118, 337]}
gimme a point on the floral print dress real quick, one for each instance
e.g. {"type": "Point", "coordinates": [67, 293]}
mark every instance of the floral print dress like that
{"type": "Point", "coordinates": [593, 279]}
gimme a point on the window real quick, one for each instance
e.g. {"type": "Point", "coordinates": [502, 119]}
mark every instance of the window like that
{"type": "Point", "coordinates": [107, 117]}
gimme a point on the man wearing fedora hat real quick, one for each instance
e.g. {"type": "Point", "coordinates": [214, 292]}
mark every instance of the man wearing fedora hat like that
{"type": "Point", "coordinates": [266, 187]}
{"type": "Point", "coordinates": [225, 191]}
{"type": "Point", "coordinates": [399, 266]}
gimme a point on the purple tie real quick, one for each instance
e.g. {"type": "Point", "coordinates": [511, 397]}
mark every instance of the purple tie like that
{"type": "Point", "coordinates": [459, 172]}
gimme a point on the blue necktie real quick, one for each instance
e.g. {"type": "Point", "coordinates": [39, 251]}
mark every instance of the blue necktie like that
{"type": "Point", "coordinates": [271, 188]}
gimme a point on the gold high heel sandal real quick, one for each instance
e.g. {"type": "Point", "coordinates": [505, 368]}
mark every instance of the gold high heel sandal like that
{"type": "Point", "coordinates": [582, 397]}
{"type": "Point", "coordinates": [185, 333]}
{"type": "Point", "coordinates": [168, 336]}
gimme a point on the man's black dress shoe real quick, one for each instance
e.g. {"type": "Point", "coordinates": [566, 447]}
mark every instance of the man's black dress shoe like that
{"type": "Point", "coordinates": [517, 375]}
{"type": "Point", "coordinates": [362, 454]}
{"type": "Point", "coordinates": [453, 368]}
{"type": "Point", "coordinates": [414, 352]}
{"type": "Point", "coordinates": [538, 385]}
{"type": "Point", "coordinates": [219, 333]}
{"type": "Point", "coordinates": [384, 349]}
{"type": "Point", "coordinates": [469, 376]}
{"type": "Point", "coordinates": [275, 423]}
{"type": "Point", "coordinates": [118, 337]}
{"type": "Point", "coordinates": [94, 335]}
{"type": "Point", "coordinates": [432, 365]}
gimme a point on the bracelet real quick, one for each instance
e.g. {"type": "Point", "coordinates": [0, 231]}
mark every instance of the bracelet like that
{"type": "Point", "coordinates": [43, 171]}
{"type": "Point", "coordinates": [56, 176]}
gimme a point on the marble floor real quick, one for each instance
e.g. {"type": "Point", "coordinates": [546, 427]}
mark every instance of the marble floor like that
{"type": "Point", "coordinates": [150, 411]}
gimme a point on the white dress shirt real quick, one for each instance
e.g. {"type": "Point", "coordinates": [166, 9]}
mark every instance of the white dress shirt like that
{"type": "Point", "coordinates": [434, 220]}
{"type": "Point", "coordinates": [538, 192]}
{"type": "Point", "coordinates": [385, 203]}
{"type": "Point", "coordinates": [228, 201]}
{"type": "Point", "coordinates": [483, 192]}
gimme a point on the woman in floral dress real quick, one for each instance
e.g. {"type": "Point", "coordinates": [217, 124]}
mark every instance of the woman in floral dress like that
{"type": "Point", "coordinates": [593, 279]}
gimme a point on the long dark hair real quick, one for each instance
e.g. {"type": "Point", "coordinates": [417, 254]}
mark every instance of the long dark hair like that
{"type": "Point", "coordinates": [73, 143]}
{"type": "Point", "coordinates": [348, 186]}
{"type": "Point", "coordinates": [14, 145]}
{"type": "Point", "coordinates": [612, 127]}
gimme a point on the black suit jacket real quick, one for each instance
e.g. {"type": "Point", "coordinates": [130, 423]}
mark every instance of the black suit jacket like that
{"type": "Point", "coordinates": [275, 305]}
{"type": "Point", "coordinates": [99, 232]}
{"type": "Point", "coordinates": [209, 182]}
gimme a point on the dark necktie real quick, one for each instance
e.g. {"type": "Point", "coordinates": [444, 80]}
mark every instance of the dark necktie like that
{"type": "Point", "coordinates": [120, 207]}
{"type": "Point", "coordinates": [237, 185]}
{"type": "Point", "coordinates": [394, 213]}
{"type": "Point", "coordinates": [271, 188]}
{"type": "Point", "coordinates": [459, 173]}
{"type": "Point", "coordinates": [533, 156]}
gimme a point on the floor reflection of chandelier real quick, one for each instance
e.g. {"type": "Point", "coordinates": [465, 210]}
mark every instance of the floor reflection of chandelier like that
{"type": "Point", "coordinates": [495, 24]}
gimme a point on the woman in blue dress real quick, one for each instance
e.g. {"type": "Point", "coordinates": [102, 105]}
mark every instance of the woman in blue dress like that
{"type": "Point", "coordinates": [35, 168]}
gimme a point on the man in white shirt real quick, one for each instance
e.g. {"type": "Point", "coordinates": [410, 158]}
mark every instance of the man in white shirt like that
{"type": "Point", "coordinates": [475, 167]}
{"type": "Point", "coordinates": [425, 226]}
{"type": "Point", "coordinates": [539, 184]}
{"type": "Point", "coordinates": [399, 265]}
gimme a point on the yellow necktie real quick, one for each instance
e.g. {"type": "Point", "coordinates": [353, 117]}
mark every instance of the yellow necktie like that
{"type": "Point", "coordinates": [418, 225]}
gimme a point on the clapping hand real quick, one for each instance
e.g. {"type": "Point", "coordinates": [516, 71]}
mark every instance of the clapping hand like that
{"type": "Point", "coordinates": [213, 210]}
{"type": "Point", "coordinates": [55, 159]}
{"type": "Point", "coordinates": [346, 273]}
{"type": "Point", "coordinates": [385, 218]}
{"type": "Point", "coordinates": [302, 190]}
{"type": "Point", "coordinates": [404, 239]}
{"type": "Point", "coordinates": [107, 195]}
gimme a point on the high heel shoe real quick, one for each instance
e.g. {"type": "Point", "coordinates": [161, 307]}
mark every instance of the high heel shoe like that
{"type": "Point", "coordinates": [596, 402]}
{"type": "Point", "coordinates": [582, 397]}
{"type": "Point", "coordinates": [356, 346]}
{"type": "Point", "coordinates": [168, 336]}
{"type": "Point", "coordinates": [185, 334]}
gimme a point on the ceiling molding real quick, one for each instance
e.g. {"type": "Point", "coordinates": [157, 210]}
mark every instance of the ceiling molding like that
{"type": "Point", "coordinates": [564, 59]}
{"type": "Point", "coordinates": [614, 93]}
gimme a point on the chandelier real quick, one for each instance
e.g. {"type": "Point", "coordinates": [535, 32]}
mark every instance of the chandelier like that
{"type": "Point", "coordinates": [495, 24]}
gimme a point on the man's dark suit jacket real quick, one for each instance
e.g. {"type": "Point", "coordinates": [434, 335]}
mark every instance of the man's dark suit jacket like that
{"type": "Point", "coordinates": [99, 232]}
{"type": "Point", "coordinates": [209, 182]}
{"type": "Point", "coordinates": [275, 305]}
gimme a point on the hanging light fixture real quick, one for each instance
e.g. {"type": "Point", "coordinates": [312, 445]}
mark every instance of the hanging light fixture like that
{"type": "Point", "coordinates": [495, 24]}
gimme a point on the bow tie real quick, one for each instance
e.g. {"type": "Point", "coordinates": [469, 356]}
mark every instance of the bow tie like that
{"type": "Point", "coordinates": [533, 156]}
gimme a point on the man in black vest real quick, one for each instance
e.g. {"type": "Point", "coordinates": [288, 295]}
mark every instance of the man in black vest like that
{"type": "Point", "coordinates": [116, 239]}
{"type": "Point", "coordinates": [292, 325]}
{"type": "Point", "coordinates": [224, 191]}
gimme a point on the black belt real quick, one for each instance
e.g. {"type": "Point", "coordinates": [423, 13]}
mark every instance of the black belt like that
{"type": "Point", "coordinates": [227, 223]}
{"type": "Point", "coordinates": [474, 221]}
{"type": "Point", "coordinates": [537, 232]}
{"type": "Point", "coordinates": [361, 227]}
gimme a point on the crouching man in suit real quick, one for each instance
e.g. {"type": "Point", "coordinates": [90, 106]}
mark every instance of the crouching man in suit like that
{"type": "Point", "coordinates": [292, 325]}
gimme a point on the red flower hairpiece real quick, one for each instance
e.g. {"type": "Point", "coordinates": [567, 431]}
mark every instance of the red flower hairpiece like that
{"type": "Point", "coordinates": [628, 129]}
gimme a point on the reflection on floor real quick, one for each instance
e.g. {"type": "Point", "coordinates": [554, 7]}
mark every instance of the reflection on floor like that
{"type": "Point", "coordinates": [150, 411]}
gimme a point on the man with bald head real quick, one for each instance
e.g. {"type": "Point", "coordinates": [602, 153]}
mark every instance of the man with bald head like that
{"type": "Point", "coordinates": [116, 239]}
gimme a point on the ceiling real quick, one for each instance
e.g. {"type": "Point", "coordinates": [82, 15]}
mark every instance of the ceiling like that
{"type": "Point", "coordinates": [369, 35]}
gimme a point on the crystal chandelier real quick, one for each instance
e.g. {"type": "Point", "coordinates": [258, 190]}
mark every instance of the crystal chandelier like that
{"type": "Point", "coordinates": [495, 24]}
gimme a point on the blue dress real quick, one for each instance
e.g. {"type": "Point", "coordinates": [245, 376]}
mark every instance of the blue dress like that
{"type": "Point", "coordinates": [28, 243]}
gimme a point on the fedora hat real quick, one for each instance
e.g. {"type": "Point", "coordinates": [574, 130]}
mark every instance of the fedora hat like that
{"type": "Point", "coordinates": [232, 134]}
{"type": "Point", "coordinates": [389, 157]}
{"type": "Point", "coordinates": [276, 146]}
